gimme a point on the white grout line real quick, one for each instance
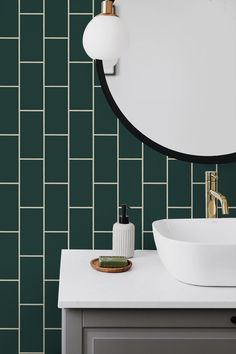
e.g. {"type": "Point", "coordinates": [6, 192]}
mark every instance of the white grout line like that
{"type": "Point", "coordinates": [60, 38]}
{"type": "Point", "coordinates": [44, 175]}
{"type": "Point", "coordinates": [130, 158]}
{"type": "Point", "coordinates": [191, 186]}
{"type": "Point", "coordinates": [31, 62]}
{"type": "Point", "coordinates": [167, 191]}
{"type": "Point", "coordinates": [81, 110]}
{"type": "Point", "coordinates": [80, 159]}
{"type": "Point", "coordinates": [31, 13]}
{"type": "Point", "coordinates": [7, 135]}
{"type": "Point", "coordinates": [81, 13]}
{"type": "Point", "coordinates": [9, 86]}
{"type": "Point", "coordinates": [22, 304]}
{"type": "Point", "coordinates": [19, 173]}
{"type": "Point", "coordinates": [68, 127]}
{"type": "Point", "coordinates": [180, 207]}
{"type": "Point", "coordinates": [31, 256]}
{"type": "Point", "coordinates": [155, 183]}
{"type": "Point", "coordinates": [105, 183]}
{"type": "Point", "coordinates": [80, 62]}
{"type": "Point", "coordinates": [6, 38]}
{"type": "Point", "coordinates": [142, 217]}
{"type": "Point", "coordinates": [93, 143]}
{"type": "Point", "coordinates": [117, 169]}
{"type": "Point", "coordinates": [105, 135]}
{"type": "Point", "coordinates": [80, 207]}
{"type": "Point", "coordinates": [31, 207]}
{"type": "Point", "coordinates": [31, 110]}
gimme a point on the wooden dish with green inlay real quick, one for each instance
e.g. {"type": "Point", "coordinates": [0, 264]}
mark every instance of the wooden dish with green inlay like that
{"type": "Point", "coordinates": [95, 264]}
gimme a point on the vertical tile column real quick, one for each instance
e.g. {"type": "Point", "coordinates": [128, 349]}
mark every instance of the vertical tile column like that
{"type": "Point", "coordinates": [31, 175]}
{"type": "Point", "coordinates": [9, 177]}
{"type": "Point", "coordinates": [56, 81]}
{"type": "Point", "coordinates": [81, 129]}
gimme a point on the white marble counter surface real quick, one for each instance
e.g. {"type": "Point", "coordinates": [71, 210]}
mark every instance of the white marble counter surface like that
{"type": "Point", "coordinates": [146, 285]}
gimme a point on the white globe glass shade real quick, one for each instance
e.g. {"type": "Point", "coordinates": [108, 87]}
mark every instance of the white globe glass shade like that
{"type": "Point", "coordinates": [105, 38]}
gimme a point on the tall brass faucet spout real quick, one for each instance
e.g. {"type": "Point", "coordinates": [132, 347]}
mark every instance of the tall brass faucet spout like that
{"type": "Point", "coordinates": [212, 196]}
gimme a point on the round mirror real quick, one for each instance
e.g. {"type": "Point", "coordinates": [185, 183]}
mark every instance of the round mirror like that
{"type": "Point", "coordinates": [175, 87]}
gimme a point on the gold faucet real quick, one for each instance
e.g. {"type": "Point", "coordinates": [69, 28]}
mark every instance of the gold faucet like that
{"type": "Point", "coordinates": [212, 196]}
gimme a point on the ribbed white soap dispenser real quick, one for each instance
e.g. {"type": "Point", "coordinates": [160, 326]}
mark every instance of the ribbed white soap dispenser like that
{"type": "Point", "coordinates": [123, 235]}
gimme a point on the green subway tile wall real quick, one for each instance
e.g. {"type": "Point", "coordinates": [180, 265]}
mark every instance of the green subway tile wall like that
{"type": "Point", "coordinates": [66, 164]}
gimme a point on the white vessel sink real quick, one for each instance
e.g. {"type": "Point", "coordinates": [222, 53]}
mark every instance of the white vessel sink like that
{"type": "Point", "coordinates": [198, 251]}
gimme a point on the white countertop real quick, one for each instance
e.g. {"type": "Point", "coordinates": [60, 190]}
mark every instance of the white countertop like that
{"type": "Point", "coordinates": [146, 285]}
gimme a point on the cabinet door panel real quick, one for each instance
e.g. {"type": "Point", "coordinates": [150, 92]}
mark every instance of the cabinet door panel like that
{"type": "Point", "coordinates": [158, 341]}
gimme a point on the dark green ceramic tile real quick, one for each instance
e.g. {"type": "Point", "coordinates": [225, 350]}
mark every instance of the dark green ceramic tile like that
{"type": "Point", "coordinates": [31, 142]}
{"type": "Point", "coordinates": [56, 207]}
{"type": "Point", "coordinates": [52, 313]}
{"type": "Point", "coordinates": [8, 207]}
{"type": "Point", "coordinates": [56, 62]}
{"type": "Point", "coordinates": [179, 213]}
{"type": "Point", "coordinates": [81, 183]}
{"type": "Point", "coordinates": [105, 207]}
{"type": "Point", "coordinates": [96, 78]}
{"type": "Point", "coordinates": [8, 62]}
{"type": "Point", "coordinates": [105, 120]}
{"type": "Point", "coordinates": [149, 243]}
{"type": "Point", "coordinates": [29, 6]}
{"type": "Point", "coordinates": [9, 159]}
{"type": "Point", "coordinates": [31, 231]}
{"type": "Point", "coordinates": [9, 341]}
{"type": "Point", "coordinates": [199, 171]}
{"type": "Point", "coordinates": [8, 304]}
{"type": "Point", "coordinates": [103, 241]}
{"type": "Point", "coordinates": [9, 110]}
{"type": "Point", "coordinates": [81, 228]}
{"type": "Point", "coordinates": [31, 185]}
{"type": "Point", "coordinates": [31, 86]}
{"type": "Point", "coordinates": [154, 204]}
{"type": "Point", "coordinates": [105, 159]}
{"type": "Point", "coordinates": [199, 201]}
{"type": "Point", "coordinates": [31, 43]}
{"type": "Point", "coordinates": [97, 6]}
{"type": "Point", "coordinates": [54, 243]}
{"type": "Point", "coordinates": [77, 27]}
{"type": "Point", "coordinates": [131, 183]}
{"type": "Point", "coordinates": [179, 183]}
{"type": "Point", "coordinates": [81, 86]}
{"type": "Point", "coordinates": [227, 178]}
{"type": "Point", "coordinates": [154, 165]}
{"type": "Point", "coordinates": [9, 18]}
{"type": "Point", "coordinates": [31, 334]}
{"type": "Point", "coordinates": [31, 277]}
{"type": "Point", "coordinates": [8, 256]}
{"type": "Point", "coordinates": [56, 111]}
{"type": "Point", "coordinates": [81, 135]}
{"type": "Point", "coordinates": [56, 159]}
{"type": "Point", "coordinates": [52, 342]}
{"type": "Point", "coordinates": [129, 145]}
{"type": "Point", "coordinates": [135, 216]}
{"type": "Point", "coordinates": [56, 12]}
{"type": "Point", "coordinates": [81, 6]}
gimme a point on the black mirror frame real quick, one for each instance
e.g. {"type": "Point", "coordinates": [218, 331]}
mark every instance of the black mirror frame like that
{"type": "Point", "coordinates": [165, 151]}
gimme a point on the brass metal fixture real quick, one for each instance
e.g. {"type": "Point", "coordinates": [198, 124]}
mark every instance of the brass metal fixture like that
{"type": "Point", "coordinates": [212, 196]}
{"type": "Point", "coordinates": [108, 8]}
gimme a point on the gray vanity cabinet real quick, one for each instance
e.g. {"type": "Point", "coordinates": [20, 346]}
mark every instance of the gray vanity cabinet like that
{"type": "Point", "coordinates": [105, 331]}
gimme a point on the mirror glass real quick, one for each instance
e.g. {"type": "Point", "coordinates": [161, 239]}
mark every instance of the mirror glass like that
{"type": "Point", "coordinates": [175, 87]}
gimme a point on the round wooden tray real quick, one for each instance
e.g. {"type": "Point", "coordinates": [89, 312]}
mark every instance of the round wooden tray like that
{"type": "Point", "coordinates": [94, 263]}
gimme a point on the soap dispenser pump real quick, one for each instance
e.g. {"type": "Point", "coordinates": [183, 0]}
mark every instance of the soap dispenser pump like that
{"type": "Point", "coordinates": [123, 235]}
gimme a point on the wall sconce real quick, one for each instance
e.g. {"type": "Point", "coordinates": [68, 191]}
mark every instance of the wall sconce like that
{"type": "Point", "coordinates": [105, 37]}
